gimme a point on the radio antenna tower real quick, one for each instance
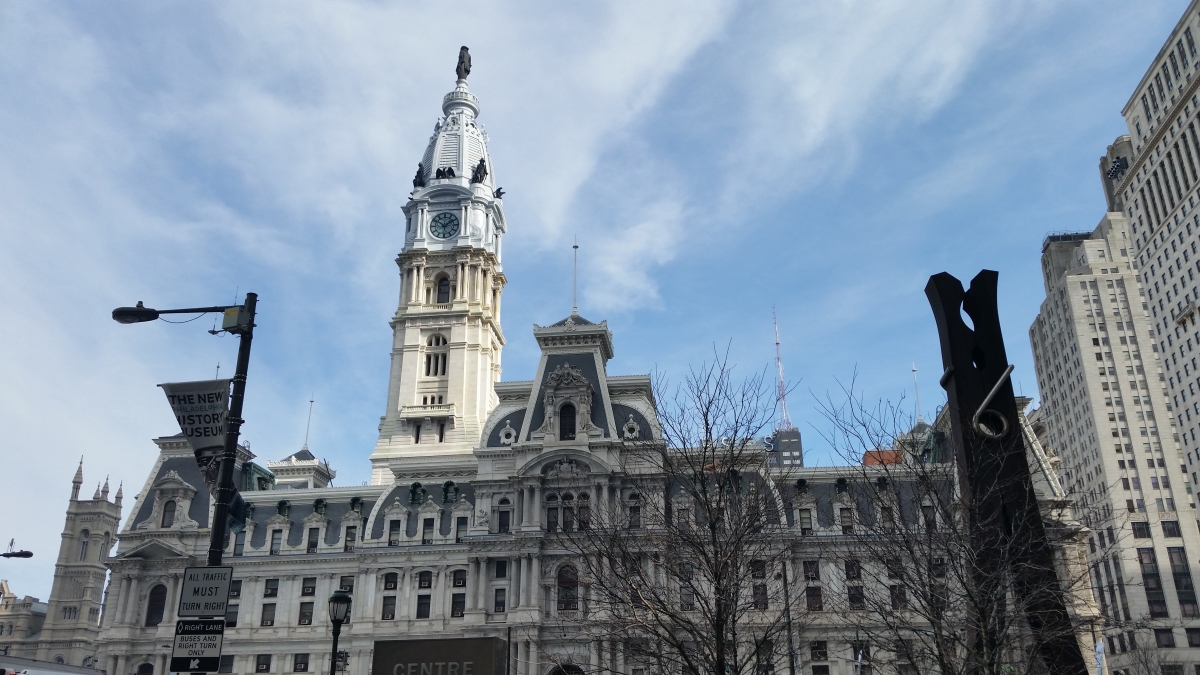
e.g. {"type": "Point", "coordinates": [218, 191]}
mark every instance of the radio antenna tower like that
{"type": "Point", "coordinates": [785, 420]}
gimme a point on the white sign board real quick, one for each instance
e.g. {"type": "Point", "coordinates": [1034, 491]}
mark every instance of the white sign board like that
{"type": "Point", "coordinates": [205, 591]}
{"type": "Point", "coordinates": [197, 646]}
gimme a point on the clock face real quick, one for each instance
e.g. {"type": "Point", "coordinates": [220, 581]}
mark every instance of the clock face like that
{"type": "Point", "coordinates": [444, 225]}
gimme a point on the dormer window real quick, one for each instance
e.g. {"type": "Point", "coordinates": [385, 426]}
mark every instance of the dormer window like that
{"type": "Point", "coordinates": [168, 516]}
{"type": "Point", "coordinates": [566, 423]}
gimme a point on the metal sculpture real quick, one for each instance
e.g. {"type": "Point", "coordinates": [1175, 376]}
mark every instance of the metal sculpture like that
{"type": "Point", "coordinates": [1011, 548]}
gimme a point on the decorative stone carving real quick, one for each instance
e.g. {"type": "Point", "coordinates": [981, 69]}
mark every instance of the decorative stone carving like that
{"type": "Point", "coordinates": [508, 435]}
{"type": "Point", "coordinates": [632, 430]}
{"type": "Point", "coordinates": [565, 375]}
{"type": "Point", "coordinates": [566, 468]}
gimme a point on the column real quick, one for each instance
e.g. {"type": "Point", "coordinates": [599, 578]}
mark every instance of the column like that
{"type": "Point", "coordinates": [619, 657]}
{"type": "Point", "coordinates": [522, 508]}
{"type": "Point", "coordinates": [535, 586]}
{"type": "Point", "coordinates": [439, 594]}
{"type": "Point", "coordinates": [406, 596]}
{"type": "Point", "coordinates": [594, 655]}
{"type": "Point", "coordinates": [525, 567]}
{"type": "Point", "coordinates": [537, 505]}
{"type": "Point", "coordinates": [371, 583]}
{"type": "Point", "coordinates": [173, 591]}
{"type": "Point", "coordinates": [118, 614]}
{"type": "Point", "coordinates": [522, 657]}
{"type": "Point", "coordinates": [473, 584]}
{"type": "Point", "coordinates": [131, 606]}
{"type": "Point", "coordinates": [534, 666]}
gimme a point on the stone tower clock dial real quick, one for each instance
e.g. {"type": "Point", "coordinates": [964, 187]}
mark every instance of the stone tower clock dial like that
{"type": "Point", "coordinates": [444, 225]}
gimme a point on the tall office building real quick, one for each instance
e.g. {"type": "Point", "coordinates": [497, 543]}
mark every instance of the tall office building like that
{"type": "Point", "coordinates": [1113, 348]}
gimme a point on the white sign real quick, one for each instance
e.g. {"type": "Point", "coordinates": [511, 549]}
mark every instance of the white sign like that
{"type": "Point", "coordinates": [205, 591]}
{"type": "Point", "coordinates": [202, 410]}
{"type": "Point", "coordinates": [197, 646]}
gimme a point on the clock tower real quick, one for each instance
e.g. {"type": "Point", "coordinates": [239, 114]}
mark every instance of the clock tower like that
{"type": "Point", "coordinates": [446, 331]}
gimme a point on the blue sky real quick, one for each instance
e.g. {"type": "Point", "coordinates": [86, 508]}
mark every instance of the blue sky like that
{"type": "Point", "coordinates": [713, 158]}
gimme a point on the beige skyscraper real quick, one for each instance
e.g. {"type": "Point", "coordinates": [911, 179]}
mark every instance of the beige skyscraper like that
{"type": "Point", "coordinates": [1113, 348]}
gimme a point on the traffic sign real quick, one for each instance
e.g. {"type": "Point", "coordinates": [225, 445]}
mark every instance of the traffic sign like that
{"type": "Point", "coordinates": [197, 646]}
{"type": "Point", "coordinates": [205, 591]}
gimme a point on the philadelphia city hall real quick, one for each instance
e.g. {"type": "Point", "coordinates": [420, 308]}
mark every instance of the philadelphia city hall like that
{"type": "Point", "coordinates": [470, 476]}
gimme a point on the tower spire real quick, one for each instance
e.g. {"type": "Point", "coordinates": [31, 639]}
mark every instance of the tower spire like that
{"type": "Point", "coordinates": [77, 481]}
{"type": "Point", "coordinates": [785, 420]}
{"type": "Point", "coordinates": [917, 392]}
{"type": "Point", "coordinates": [575, 279]}
{"type": "Point", "coordinates": [311, 397]}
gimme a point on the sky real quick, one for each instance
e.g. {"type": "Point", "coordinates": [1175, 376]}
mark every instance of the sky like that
{"type": "Point", "coordinates": [714, 159]}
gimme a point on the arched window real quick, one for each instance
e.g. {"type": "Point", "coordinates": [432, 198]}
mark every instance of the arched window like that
{"type": "Point", "coordinates": [168, 518]}
{"type": "Point", "coordinates": [551, 512]}
{"type": "Point", "coordinates": [155, 606]}
{"type": "Point", "coordinates": [85, 537]}
{"type": "Point", "coordinates": [568, 588]}
{"type": "Point", "coordinates": [566, 423]}
{"type": "Point", "coordinates": [443, 295]}
{"type": "Point", "coordinates": [146, 669]}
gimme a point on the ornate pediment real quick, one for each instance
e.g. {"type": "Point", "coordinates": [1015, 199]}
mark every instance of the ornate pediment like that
{"type": "Point", "coordinates": [566, 468]}
{"type": "Point", "coordinates": [567, 375]}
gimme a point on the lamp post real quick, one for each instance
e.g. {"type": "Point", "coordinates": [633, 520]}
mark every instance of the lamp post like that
{"type": "Point", "coordinates": [239, 320]}
{"type": "Point", "coordinates": [339, 609]}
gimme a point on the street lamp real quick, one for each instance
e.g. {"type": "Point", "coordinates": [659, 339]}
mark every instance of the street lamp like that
{"type": "Point", "coordinates": [239, 320]}
{"type": "Point", "coordinates": [339, 611]}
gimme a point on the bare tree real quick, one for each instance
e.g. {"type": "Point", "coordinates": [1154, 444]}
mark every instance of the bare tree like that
{"type": "Point", "coordinates": [929, 582]}
{"type": "Point", "coordinates": [686, 574]}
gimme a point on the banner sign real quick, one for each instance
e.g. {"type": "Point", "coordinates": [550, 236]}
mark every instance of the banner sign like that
{"type": "Point", "coordinates": [202, 410]}
{"type": "Point", "coordinates": [458, 656]}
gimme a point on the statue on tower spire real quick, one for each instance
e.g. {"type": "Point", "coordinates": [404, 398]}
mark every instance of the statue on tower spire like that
{"type": "Point", "coordinates": [464, 63]}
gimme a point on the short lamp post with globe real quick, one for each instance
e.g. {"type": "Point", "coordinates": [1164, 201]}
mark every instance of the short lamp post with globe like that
{"type": "Point", "coordinates": [339, 611]}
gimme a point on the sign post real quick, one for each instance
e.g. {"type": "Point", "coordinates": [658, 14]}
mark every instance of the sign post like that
{"type": "Point", "coordinates": [197, 647]}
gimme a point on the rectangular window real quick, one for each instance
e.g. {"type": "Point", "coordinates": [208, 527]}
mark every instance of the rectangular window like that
{"type": "Point", "coordinates": [812, 570]}
{"type": "Point", "coordinates": [1141, 529]}
{"type": "Point", "coordinates": [427, 531]}
{"type": "Point", "coordinates": [1182, 574]}
{"type": "Point", "coordinates": [635, 517]}
{"type": "Point", "coordinates": [806, 524]}
{"type": "Point", "coordinates": [394, 532]}
{"type": "Point", "coordinates": [899, 597]}
{"type": "Point", "coordinates": [760, 596]}
{"type": "Point", "coordinates": [425, 580]}
{"type": "Point", "coordinates": [930, 518]}
{"type": "Point", "coordinates": [351, 538]}
{"type": "Point", "coordinates": [1152, 583]}
{"type": "Point", "coordinates": [1193, 636]}
{"type": "Point", "coordinates": [820, 670]}
{"type": "Point", "coordinates": [853, 570]}
{"type": "Point", "coordinates": [268, 614]}
{"type": "Point", "coordinates": [459, 578]}
{"type": "Point", "coordinates": [498, 607]}
{"type": "Point", "coordinates": [758, 569]}
{"type": "Point", "coordinates": [858, 599]}
{"type": "Point", "coordinates": [552, 519]}
{"type": "Point", "coordinates": [818, 650]}
{"type": "Point", "coordinates": [231, 612]}
{"type": "Point", "coordinates": [847, 519]}
{"type": "Point", "coordinates": [460, 529]}
{"type": "Point", "coordinates": [346, 584]}
{"type": "Point", "coordinates": [300, 663]}
{"type": "Point", "coordinates": [239, 543]}
{"type": "Point", "coordinates": [423, 606]}
{"type": "Point", "coordinates": [314, 537]}
{"type": "Point", "coordinates": [1171, 528]}
{"type": "Point", "coordinates": [503, 521]}
{"type": "Point", "coordinates": [308, 586]}
{"type": "Point", "coordinates": [894, 569]}
{"type": "Point", "coordinates": [276, 541]}
{"type": "Point", "coordinates": [235, 588]}
{"type": "Point", "coordinates": [458, 604]}
{"type": "Point", "coordinates": [271, 588]}
{"type": "Point", "coordinates": [389, 608]}
{"type": "Point", "coordinates": [937, 568]}
{"type": "Point", "coordinates": [1164, 638]}
{"type": "Point", "coordinates": [262, 664]}
{"type": "Point", "coordinates": [501, 569]}
{"type": "Point", "coordinates": [812, 596]}
{"type": "Point", "coordinates": [687, 597]}
{"type": "Point", "coordinates": [226, 664]}
{"type": "Point", "coordinates": [306, 613]}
